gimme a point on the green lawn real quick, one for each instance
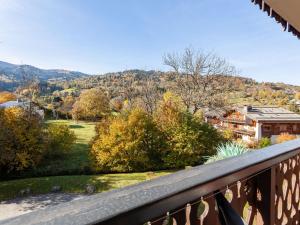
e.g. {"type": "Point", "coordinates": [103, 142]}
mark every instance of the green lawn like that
{"type": "Point", "coordinates": [73, 184]}
{"type": "Point", "coordinates": [75, 162]}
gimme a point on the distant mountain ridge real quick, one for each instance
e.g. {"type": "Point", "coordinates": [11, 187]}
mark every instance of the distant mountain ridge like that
{"type": "Point", "coordinates": [12, 74]}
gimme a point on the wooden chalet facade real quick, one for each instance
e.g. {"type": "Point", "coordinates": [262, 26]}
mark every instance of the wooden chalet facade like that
{"type": "Point", "coordinates": [252, 123]}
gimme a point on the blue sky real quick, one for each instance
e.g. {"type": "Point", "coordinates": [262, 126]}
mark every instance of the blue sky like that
{"type": "Point", "coordinates": [97, 36]}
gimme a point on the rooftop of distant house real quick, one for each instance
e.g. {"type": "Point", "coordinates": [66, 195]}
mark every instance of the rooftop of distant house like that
{"type": "Point", "coordinates": [9, 104]}
{"type": "Point", "coordinates": [259, 113]}
{"type": "Point", "coordinates": [269, 113]}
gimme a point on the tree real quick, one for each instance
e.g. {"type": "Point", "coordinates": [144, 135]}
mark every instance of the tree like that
{"type": "Point", "coordinates": [116, 104]}
{"type": "Point", "coordinates": [129, 142]}
{"type": "Point", "coordinates": [6, 96]}
{"type": "Point", "coordinates": [21, 139]}
{"type": "Point", "coordinates": [297, 96]}
{"type": "Point", "coordinates": [201, 80]}
{"type": "Point", "coordinates": [91, 105]}
{"type": "Point", "coordinates": [66, 106]}
{"type": "Point", "coordinates": [149, 95]}
{"type": "Point", "coordinates": [60, 140]}
{"type": "Point", "coordinates": [189, 139]}
{"type": "Point", "coordinates": [30, 85]}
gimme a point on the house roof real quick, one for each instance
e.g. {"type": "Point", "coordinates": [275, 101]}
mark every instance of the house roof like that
{"type": "Point", "coordinates": [217, 112]}
{"type": "Point", "coordinates": [271, 113]}
{"type": "Point", "coordinates": [285, 12]}
{"type": "Point", "coordinates": [12, 104]}
{"type": "Point", "coordinates": [214, 113]}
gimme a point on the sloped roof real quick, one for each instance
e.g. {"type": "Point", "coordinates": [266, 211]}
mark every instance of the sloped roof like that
{"type": "Point", "coordinates": [270, 114]}
{"type": "Point", "coordinates": [285, 12]}
{"type": "Point", "coordinates": [217, 112]}
{"type": "Point", "coordinates": [12, 104]}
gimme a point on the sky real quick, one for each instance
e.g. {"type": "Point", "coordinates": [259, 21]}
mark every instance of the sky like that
{"type": "Point", "coordinates": [99, 36]}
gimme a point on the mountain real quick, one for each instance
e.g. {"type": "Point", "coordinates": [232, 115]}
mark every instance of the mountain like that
{"type": "Point", "coordinates": [11, 74]}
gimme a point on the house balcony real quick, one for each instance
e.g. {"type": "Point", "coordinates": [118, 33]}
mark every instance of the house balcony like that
{"type": "Point", "coordinates": [261, 186]}
{"type": "Point", "coordinates": [241, 131]}
{"type": "Point", "coordinates": [234, 121]}
{"type": "Point", "coordinates": [244, 132]}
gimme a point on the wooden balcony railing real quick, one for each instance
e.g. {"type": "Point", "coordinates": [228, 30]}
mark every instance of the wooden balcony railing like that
{"type": "Point", "coordinates": [262, 186]}
{"type": "Point", "coordinates": [249, 131]}
{"type": "Point", "coordinates": [244, 131]}
{"type": "Point", "coordinates": [237, 121]}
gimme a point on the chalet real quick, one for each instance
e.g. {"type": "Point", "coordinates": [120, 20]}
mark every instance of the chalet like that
{"type": "Point", "coordinates": [252, 123]}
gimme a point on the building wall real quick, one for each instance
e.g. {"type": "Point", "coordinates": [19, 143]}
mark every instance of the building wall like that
{"type": "Point", "coordinates": [212, 120]}
{"type": "Point", "coordinates": [269, 129]}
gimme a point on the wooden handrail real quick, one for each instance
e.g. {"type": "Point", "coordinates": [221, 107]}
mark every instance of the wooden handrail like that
{"type": "Point", "coordinates": [151, 200]}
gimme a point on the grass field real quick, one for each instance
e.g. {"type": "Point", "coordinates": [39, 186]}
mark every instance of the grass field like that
{"type": "Point", "coordinates": [73, 184]}
{"type": "Point", "coordinates": [75, 164]}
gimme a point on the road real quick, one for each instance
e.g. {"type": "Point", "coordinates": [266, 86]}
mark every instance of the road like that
{"type": "Point", "coordinates": [19, 206]}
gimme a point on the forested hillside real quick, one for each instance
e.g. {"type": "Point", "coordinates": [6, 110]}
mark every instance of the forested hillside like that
{"type": "Point", "coordinates": [132, 83]}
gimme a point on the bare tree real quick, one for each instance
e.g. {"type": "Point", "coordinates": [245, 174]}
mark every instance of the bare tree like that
{"type": "Point", "coordinates": [139, 91]}
{"type": "Point", "coordinates": [128, 89]}
{"type": "Point", "coordinates": [29, 85]}
{"type": "Point", "coordinates": [150, 94]}
{"type": "Point", "coordinates": [29, 88]}
{"type": "Point", "coordinates": [201, 80]}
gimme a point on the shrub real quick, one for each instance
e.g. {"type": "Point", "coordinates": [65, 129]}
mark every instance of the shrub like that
{"type": "Point", "coordinates": [264, 142]}
{"type": "Point", "coordinates": [227, 150]}
{"type": "Point", "coordinates": [129, 142]}
{"type": "Point", "coordinates": [60, 140]}
{"type": "Point", "coordinates": [188, 137]}
{"type": "Point", "coordinates": [285, 137]}
{"type": "Point", "coordinates": [228, 134]}
{"type": "Point", "coordinates": [189, 142]}
{"type": "Point", "coordinates": [21, 139]}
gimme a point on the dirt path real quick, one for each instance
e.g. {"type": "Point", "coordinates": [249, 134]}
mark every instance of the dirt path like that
{"type": "Point", "coordinates": [19, 206]}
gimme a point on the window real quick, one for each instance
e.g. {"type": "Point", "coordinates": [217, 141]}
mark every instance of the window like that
{"type": "Point", "coordinates": [267, 128]}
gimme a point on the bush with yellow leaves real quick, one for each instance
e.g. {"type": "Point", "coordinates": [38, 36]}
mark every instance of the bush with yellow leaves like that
{"type": "Point", "coordinates": [60, 140]}
{"type": "Point", "coordinates": [285, 137]}
{"type": "Point", "coordinates": [21, 139]}
{"type": "Point", "coordinates": [188, 138]}
{"type": "Point", "coordinates": [129, 142]}
{"type": "Point", "coordinates": [25, 141]}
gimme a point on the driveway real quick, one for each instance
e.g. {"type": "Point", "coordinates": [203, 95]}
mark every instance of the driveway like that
{"type": "Point", "coordinates": [19, 206]}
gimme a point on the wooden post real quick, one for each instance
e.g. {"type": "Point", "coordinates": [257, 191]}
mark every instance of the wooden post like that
{"type": "Point", "coordinates": [266, 197]}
